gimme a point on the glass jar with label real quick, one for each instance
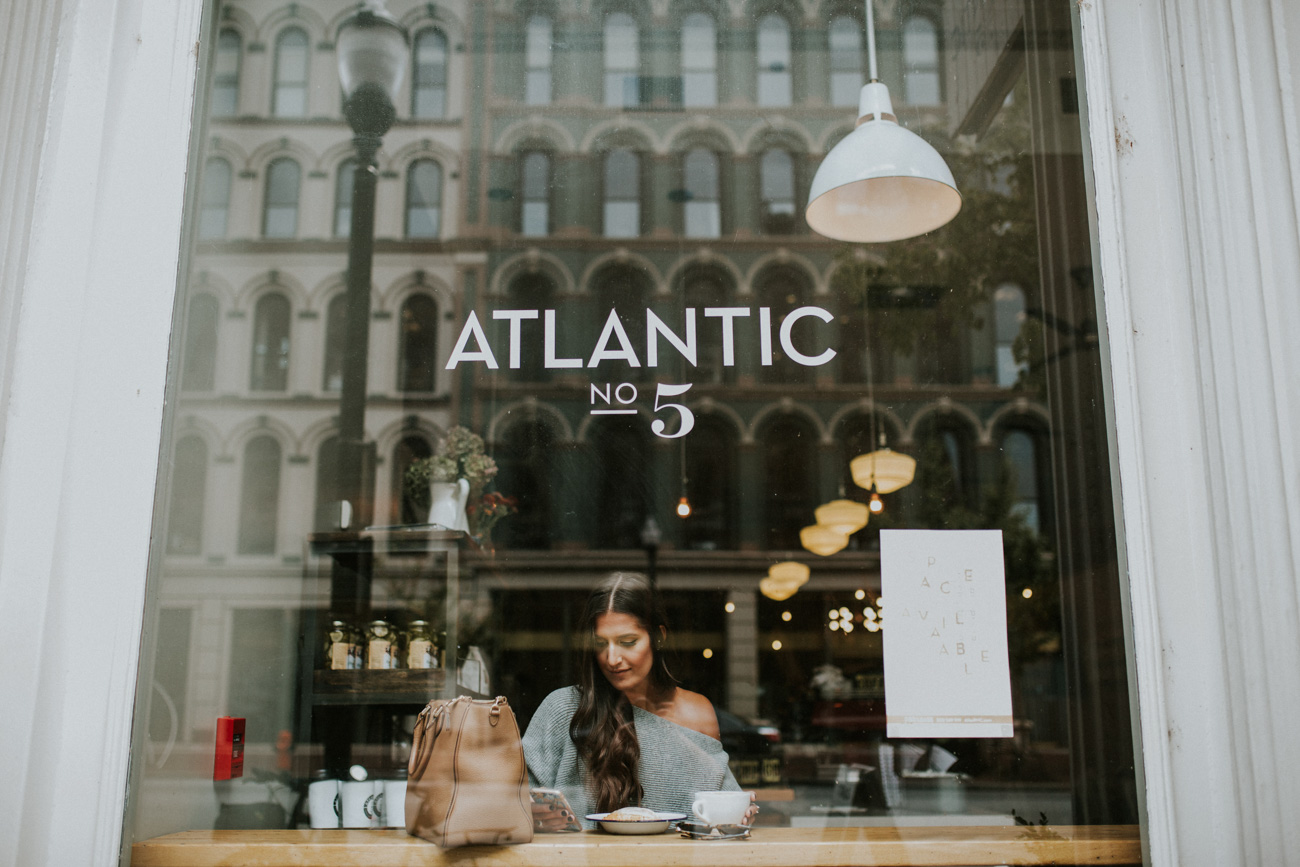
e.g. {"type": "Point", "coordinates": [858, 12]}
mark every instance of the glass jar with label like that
{"type": "Point", "coordinates": [340, 646]}
{"type": "Point", "coordinates": [421, 649]}
{"type": "Point", "coordinates": [381, 645]}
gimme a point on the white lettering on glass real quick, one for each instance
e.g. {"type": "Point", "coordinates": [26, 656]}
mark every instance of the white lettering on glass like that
{"type": "Point", "coordinates": [515, 317]}
{"type": "Point", "coordinates": [654, 326]}
{"type": "Point", "coordinates": [788, 345]}
{"type": "Point", "coordinates": [688, 417]}
{"type": "Point", "coordinates": [460, 353]}
{"type": "Point", "coordinates": [613, 328]}
{"type": "Point", "coordinates": [728, 315]}
{"type": "Point", "coordinates": [550, 362]}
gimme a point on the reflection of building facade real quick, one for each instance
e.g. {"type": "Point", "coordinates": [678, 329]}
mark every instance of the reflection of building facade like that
{"type": "Point", "coordinates": [588, 164]}
{"type": "Point", "coordinates": [520, 178]}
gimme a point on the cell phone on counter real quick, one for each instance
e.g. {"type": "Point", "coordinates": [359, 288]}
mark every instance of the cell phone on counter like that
{"type": "Point", "coordinates": [554, 800]}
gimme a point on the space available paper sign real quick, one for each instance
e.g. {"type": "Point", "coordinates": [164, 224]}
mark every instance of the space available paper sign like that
{"type": "Point", "coordinates": [947, 673]}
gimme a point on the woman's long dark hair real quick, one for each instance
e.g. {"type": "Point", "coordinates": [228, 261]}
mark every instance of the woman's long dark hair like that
{"type": "Point", "coordinates": [602, 727]}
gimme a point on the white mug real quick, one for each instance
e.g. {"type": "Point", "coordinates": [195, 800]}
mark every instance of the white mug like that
{"type": "Point", "coordinates": [394, 803]}
{"type": "Point", "coordinates": [323, 803]}
{"type": "Point", "coordinates": [358, 797]}
{"type": "Point", "coordinates": [721, 808]}
{"type": "Point", "coordinates": [374, 806]}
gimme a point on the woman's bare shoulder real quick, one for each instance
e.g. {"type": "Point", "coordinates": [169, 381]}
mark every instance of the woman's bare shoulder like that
{"type": "Point", "coordinates": [694, 711]}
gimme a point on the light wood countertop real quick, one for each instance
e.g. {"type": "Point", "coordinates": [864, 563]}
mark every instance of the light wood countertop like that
{"type": "Point", "coordinates": [769, 847]}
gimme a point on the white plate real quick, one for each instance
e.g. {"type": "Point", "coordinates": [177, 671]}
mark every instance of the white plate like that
{"type": "Point", "coordinates": [657, 825]}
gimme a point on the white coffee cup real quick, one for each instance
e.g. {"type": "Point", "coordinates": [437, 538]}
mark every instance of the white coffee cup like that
{"type": "Point", "coordinates": [323, 803]}
{"type": "Point", "coordinates": [374, 806]}
{"type": "Point", "coordinates": [721, 808]}
{"type": "Point", "coordinates": [358, 804]}
{"type": "Point", "coordinates": [394, 803]}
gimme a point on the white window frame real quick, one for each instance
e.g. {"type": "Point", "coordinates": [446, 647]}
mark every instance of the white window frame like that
{"type": "Point", "coordinates": [1197, 248]}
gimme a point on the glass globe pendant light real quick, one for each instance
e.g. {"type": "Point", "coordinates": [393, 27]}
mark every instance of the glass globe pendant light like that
{"type": "Point", "coordinates": [881, 182]}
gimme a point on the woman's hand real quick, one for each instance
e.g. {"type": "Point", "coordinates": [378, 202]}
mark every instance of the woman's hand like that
{"type": "Point", "coordinates": [752, 813]}
{"type": "Point", "coordinates": [549, 819]}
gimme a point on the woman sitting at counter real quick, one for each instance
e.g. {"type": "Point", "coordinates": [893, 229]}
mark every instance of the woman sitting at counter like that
{"type": "Point", "coordinates": [627, 734]}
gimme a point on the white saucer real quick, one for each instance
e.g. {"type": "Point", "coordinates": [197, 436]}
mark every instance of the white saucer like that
{"type": "Point", "coordinates": [657, 825]}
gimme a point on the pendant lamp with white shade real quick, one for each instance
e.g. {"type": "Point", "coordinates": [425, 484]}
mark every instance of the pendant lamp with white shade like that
{"type": "Point", "coordinates": [881, 182]}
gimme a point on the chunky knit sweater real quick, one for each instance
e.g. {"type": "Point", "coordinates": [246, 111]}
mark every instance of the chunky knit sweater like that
{"type": "Point", "coordinates": [676, 762]}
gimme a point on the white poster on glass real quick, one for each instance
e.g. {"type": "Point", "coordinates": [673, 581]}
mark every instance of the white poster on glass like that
{"type": "Point", "coordinates": [947, 673]}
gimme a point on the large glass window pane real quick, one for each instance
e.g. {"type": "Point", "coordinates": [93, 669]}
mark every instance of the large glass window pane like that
{"type": "Point", "coordinates": [659, 393]}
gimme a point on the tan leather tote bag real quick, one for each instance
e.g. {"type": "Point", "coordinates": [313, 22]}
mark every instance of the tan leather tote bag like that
{"type": "Point", "coordinates": [468, 782]}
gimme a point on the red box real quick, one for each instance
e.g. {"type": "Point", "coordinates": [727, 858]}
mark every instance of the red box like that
{"type": "Point", "coordinates": [230, 748]}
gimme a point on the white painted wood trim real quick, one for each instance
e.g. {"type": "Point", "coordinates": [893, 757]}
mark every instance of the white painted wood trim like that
{"type": "Point", "coordinates": [83, 414]}
{"type": "Point", "coordinates": [1194, 155]}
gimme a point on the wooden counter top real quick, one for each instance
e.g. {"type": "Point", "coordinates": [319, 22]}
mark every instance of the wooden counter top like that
{"type": "Point", "coordinates": [770, 847]}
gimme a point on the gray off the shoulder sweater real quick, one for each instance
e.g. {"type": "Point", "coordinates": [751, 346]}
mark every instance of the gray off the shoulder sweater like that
{"type": "Point", "coordinates": [676, 762]}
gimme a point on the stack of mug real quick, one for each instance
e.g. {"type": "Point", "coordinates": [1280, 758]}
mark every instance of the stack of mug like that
{"type": "Point", "coordinates": [352, 803]}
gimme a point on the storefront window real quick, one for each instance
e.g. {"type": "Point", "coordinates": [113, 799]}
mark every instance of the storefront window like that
{"type": "Point", "coordinates": [601, 267]}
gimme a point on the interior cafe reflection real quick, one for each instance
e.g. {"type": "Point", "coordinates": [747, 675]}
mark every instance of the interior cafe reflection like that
{"type": "Point", "coordinates": [618, 287]}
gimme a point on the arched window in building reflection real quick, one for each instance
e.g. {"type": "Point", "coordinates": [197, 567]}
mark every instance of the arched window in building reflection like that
{"type": "Point", "coordinates": [620, 464]}
{"type": "Point", "coordinates": [259, 496]}
{"type": "Point", "coordinates": [699, 61]}
{"type": "Point", "coordinates": [1008, 317]}
{"type": "Point", "coordinates": [336, 323]}
{"type": "Point", "coordinates": [789, 445]}
{"type": "Point", "coordinates": [292, 62]}
{"type": "Point", "coordinates": [622, 61]}
{"type": "Point", "coordinates": [626, 290]}
{"type": "Point", "coordinates": [622, 191]}
{"type": "Point", "coordinates": [403, 508]}
{"type": "Point", "coordinates": [784, 289]}
{"type": "Point", "coordinates": [417, 360]}
{"type": "Point", "coordinates": [328, 492]}
{"type": "Point", "coordinates": [712, 453]}
{"type": "Point", "coordinates": [526, 456]}
{"type": "Point", "coordinates": [533, 291]}
{"type": "Point", "coordinates": [1021, 457]}
{"type": "Point", "coordinates": [704, 287]}
{"type": "Point", "coordinates": [702, 205]}
{"type": "Point", "coordinates": [269, 367]}
{"type": "Point", "coordinates": [535, 207]}
{"type": "Point", "coordinates": [429, 76]}
{"type": "Point", "coordinates": [424, 199]}
{"type": "Point", "coordinates": [774, 85]}
{"type": "Point", "coordinates": [225, 74]}
{"type": "Point", "coordinates": [189, 483]}
{"type": "Point", "coordinates": [776, 188]}
{"type": "Point", "coordinates": [280, 205]}
{"type": "Point", "coordinates": [537, 60]}
{"type": "Point", "coordinates": [946, 479]}
{"type": "Point", "coordinates": [943, 337]}
{"type": "Point", "coordinates": [921, 83]}
{"type": "Point", "coordinates": [214, 201]}
{"type": "Point", "coordinates": [845, 39]}
{"type": "Point", "coordinates": [199, 364]}
{"type": "Point", "coordinates": [343, 198]}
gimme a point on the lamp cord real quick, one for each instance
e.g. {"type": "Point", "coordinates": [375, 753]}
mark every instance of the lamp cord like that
{"type": "Point", "coordinates": [871, 41]}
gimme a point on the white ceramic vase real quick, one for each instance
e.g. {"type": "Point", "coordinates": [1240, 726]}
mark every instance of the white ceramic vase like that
{"type": "Point", "coordinates": [447, 504]}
